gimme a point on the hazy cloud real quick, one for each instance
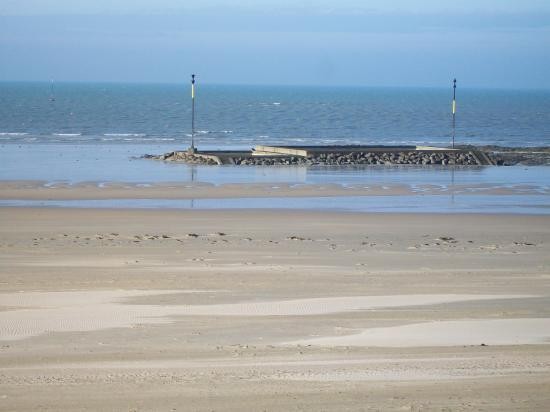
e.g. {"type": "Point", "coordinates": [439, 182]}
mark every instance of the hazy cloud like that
{"type": "Point", "coordinates": [485, 43]}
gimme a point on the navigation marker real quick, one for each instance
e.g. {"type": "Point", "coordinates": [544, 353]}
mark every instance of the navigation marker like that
{"type": "Point", "coordinates": [192, 148]}
{"type": "Point", "coordinates": [454, 110]}
{"type": "Point", "coordinates": [52, 96]}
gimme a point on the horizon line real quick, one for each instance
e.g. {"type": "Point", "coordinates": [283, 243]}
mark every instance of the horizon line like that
{"type": "Point", "coordinates": [282, 85]}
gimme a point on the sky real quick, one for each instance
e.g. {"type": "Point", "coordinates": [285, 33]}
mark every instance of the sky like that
{"type": "Point", "coordinates": [483, 43]}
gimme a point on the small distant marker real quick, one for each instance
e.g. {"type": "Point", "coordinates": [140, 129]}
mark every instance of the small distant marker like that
{"type": "Point", "coordinates": [52, 97]}
{"type": "Point", "coordinates": [454, 111]}
{"type": "Point", "coordinates": [192, 148]}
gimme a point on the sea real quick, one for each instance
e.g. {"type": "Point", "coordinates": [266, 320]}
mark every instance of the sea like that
{"type": "Point", "coordinates": [97, 132]}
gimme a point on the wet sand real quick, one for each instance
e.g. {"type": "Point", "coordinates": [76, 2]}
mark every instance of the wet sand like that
{"type": "Point", "coordinates": [275, 310]}
{"type": "Point", "coordinates": [41, 190]}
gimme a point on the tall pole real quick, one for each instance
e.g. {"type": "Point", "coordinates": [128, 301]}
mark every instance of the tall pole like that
{"type": "Point", "coordinates": [454, 111]}
{"type": "Point", "coordinates": [192, 112]}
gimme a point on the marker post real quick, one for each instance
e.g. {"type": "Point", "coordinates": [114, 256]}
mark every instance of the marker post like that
{"type": "Point", "coordinates": [192, 148]}
{"type": "Point", "coordinates": [454, 111]}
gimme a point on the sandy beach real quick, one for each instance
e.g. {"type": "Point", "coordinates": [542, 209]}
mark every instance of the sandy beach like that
{"type": "Point", "coordinates": [272, 310]}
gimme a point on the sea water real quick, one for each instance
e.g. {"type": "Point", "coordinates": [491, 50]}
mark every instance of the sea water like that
{"type": "Point", "coordinates": [242, 116]}
{"type": "Point", "coordinates": [97, 132]}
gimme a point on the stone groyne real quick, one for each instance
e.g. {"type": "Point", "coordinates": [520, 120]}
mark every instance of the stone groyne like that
{"type": "Point", "coordinates": [329, 159]}
{"type": "Point", "coordinates": [364, 158]}
{"type": "Point", "coordinates": [356, 155]}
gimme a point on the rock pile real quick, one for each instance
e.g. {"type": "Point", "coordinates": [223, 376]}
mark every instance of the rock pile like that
{"type": "Point", "coordinates": [182, 157]}
{"type": "Point", "coordinates": [365, 158]}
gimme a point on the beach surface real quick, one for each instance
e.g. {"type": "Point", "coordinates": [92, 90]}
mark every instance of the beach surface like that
{"type": "Point", "coordinates": [135, 309]}
{"type": "Point", "coordinates": [42, 190]}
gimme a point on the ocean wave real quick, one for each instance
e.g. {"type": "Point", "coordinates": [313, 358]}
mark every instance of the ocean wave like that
{"type": "Point", "coordinates": [213, 132]}
{"type": "Point", "coordinates": [67, 134]}
{"type": "Point", "coordinates": [13, 134]}
{"type": "Point", "coordinates": [141, 139]}
{"type": "Point", "coordinates": [125, 134]}
{"type": "Point", "coordinates": [134, 138]}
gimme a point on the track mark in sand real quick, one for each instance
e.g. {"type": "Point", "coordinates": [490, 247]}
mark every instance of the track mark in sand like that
{"type": "Point", "coordinates": [37, 313]}
{"type": "Point", "coordinates": [480, 332]}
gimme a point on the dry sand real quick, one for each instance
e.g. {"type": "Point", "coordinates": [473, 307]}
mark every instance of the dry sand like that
{"type": "Point", "coordinates": [46, 312]}
{"type": "Point", "coordinates": [264, 310]}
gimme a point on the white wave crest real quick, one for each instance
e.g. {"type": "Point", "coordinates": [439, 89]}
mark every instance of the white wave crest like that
{"type": "Point", "coordinates": [12, 134]}
{"type": "Point", "coordinates": [125, 134]}
{"type": "Point", "coordinates": [213, 131]}
{"type": "Point", "coordinates": [67, 134]}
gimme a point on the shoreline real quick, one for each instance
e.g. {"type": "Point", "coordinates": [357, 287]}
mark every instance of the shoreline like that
{"type": "Point", "coordinates": [424, 205]}
{"type": "Point", "coordinates": [442, 197]}
{"type": "Point", "coordinates": [41, 190]}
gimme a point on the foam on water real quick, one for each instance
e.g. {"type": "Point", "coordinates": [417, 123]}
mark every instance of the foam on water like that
{"type": "Point", "coordinates": [12, 134]}
{"type": "Point", "coordinates": [125, 134]}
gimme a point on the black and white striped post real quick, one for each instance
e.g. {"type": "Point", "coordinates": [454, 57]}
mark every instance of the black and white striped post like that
{"type": "Point", "coordinates": [192, 148]}
{"type": "Point", "coordinates": [454, 111]}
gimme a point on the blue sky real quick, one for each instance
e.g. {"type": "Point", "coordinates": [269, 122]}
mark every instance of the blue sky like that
{"type": "Point", "coordinates": [484, 43]}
